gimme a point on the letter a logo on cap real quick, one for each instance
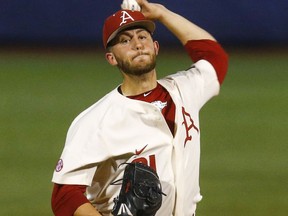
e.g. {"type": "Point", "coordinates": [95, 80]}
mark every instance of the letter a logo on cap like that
{"type": "Point", "coordinates": [125, 16]}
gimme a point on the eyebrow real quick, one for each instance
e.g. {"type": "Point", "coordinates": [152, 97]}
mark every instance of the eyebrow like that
{"type": "Point", "coordinates": [126, 32]}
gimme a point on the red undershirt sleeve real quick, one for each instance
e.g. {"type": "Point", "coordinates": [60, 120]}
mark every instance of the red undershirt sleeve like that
{"type": "Point", "coordinates": [67, 198]}
{"type": "Point", "coordinates": [212, 52]}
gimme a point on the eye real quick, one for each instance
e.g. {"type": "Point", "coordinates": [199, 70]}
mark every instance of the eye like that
{"type": "Point", "coordinates": [142, 37]}
{"type": "Point", "coordinates": [124, 41]}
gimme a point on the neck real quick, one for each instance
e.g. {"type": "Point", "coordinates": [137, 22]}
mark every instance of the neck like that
{"type": "Point", "coordinates": [135, 85]}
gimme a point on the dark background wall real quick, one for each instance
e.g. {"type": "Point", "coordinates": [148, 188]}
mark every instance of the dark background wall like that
{"type": "Point", "coordinates": [79, 22]}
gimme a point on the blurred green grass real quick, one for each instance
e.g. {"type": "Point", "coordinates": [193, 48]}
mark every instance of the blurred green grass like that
{"type": "Point", "coordinates": [244, 130]}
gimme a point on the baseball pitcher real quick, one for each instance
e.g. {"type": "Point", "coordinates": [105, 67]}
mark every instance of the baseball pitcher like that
{"type": "Point", "coordinates": [136, 151]}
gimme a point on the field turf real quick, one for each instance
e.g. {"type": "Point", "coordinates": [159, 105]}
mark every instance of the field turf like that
{"type": "Point", "coordinates": [244, 165]}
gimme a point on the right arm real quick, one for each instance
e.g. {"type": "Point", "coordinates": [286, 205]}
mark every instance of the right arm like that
{"type": "Point", "coordinates": [198, 42]}
{"type": "Point", "coordinates": [181, 27]}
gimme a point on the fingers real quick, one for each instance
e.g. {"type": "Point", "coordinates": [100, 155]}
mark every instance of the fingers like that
{"type": "Point", "coordinates": [141, 2]}
{"type": "Point", "coordinates": [150, 10]}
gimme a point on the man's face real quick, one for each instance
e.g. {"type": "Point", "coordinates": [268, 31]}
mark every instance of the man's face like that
{"type": "Point", "coordinates": [134, 51]}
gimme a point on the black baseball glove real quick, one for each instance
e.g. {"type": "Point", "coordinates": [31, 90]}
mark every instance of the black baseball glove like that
{"type": "Point", "coordinates": [141, 192]}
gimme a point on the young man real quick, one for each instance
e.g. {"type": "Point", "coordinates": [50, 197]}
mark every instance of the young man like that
{"type": "Point", "coordinates": [145, 120]}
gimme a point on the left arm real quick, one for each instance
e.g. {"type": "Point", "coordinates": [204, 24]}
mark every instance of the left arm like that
{"type": "Point", "coordinates": [86, 210]}
{"type": "Point", "coordinates": [68, 200]}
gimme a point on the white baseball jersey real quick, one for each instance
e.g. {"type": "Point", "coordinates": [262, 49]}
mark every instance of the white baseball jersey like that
{"type": "Point", "coordinates": [117, 129]}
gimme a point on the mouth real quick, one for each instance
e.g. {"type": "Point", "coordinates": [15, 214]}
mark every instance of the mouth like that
{"type": "Point", "coordinates": [140, 55]}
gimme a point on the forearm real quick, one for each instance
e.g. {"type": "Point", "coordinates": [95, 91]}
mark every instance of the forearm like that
{"type": "Point", "coordinates": [86, 210]}
{"type": "Point", "coordinates": [181, 27]}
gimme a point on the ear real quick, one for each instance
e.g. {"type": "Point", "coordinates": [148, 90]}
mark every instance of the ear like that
{"type": "Point", "coordinates": [111, 58]}
{"type": "Point", "coordinates": [156, 47]}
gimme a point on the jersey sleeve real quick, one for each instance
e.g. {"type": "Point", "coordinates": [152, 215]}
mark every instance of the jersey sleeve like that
{"type": "Point", "coordinates": [210, 51]}
{"type": "Point", "coordinates": [82, 151]}
{"type": "Point", "coordinates": [93, 138]}
{"type": "Point", "coordinates": [202, 80]}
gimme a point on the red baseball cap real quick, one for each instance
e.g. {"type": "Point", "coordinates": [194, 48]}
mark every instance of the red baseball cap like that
{"type": "Point", "coordinates": [124, 19]}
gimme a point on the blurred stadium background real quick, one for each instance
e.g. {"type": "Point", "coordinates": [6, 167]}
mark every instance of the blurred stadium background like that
{"type": "Point", "coordinates": [52, 67]}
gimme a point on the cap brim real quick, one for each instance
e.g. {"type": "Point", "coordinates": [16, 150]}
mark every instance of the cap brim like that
{"type": "Point", "coordinates": [146, 24]}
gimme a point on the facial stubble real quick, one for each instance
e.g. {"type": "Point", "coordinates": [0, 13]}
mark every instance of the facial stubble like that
{"type": "Point", "coordinates": [137, 69]}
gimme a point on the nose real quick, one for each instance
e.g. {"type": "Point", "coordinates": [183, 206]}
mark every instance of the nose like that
{"type": "Point", "coordinates": [138, 44]}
